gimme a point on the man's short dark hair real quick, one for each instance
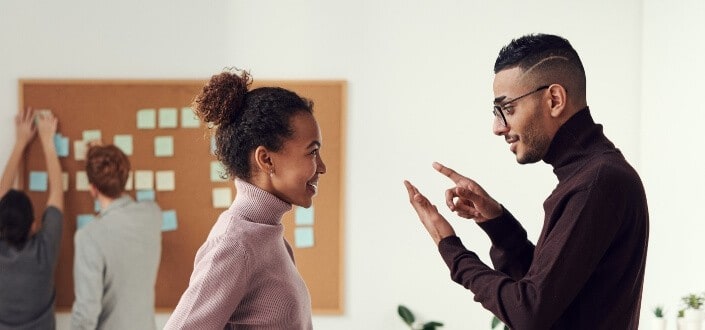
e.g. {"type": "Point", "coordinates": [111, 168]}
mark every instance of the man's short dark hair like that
{"type": "Point", "coordinates": [16, 217]}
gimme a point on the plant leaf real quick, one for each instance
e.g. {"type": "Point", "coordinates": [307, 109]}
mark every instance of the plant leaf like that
{"type": "Point", "coordinates": [406, 314]}
{"type": "Point", "coordinates": [495, 321]}
{"type": "Point", "coordinates": [432, 325]}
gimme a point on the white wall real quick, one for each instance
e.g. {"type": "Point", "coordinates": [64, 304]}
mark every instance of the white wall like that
{"type": "Point", "coordinates": [420, 77]}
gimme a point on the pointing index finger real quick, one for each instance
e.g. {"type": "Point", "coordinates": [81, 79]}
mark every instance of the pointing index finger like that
{"type": "Point", "coordinates": [447, 171]}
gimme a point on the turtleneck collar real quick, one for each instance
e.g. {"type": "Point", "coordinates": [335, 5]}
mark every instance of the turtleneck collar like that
{"type": "Point", "coordinates": [258, 205]}
{"type": "Point", "coordinates": [574, 143]}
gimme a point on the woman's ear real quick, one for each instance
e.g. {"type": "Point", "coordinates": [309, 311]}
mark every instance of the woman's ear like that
{"type": "Point", "coordinates": [558, 100]}
{"type": "Point", "coordinates": [263, 160]}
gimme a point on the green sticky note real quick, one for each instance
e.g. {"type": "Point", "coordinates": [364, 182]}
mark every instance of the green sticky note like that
{"type": "Point", "coordinates": [164, 146]}
{"type": "Point", "coordinates": [168, 118]}
{"type": "Point", "coordinates": [146, 119]}
{"type": "Point", "coordinates": [218, 172]}
{"type": "Point", "coordinates": [124, 142]}
{"type": "Point", "coordinates": [38, 181]}
{"type": "Point", "coordinates": [189, 119]}
{"type": "Point", "coordinates": [303, 237]}
{"type": "Point", "coordinates": [91, 135]}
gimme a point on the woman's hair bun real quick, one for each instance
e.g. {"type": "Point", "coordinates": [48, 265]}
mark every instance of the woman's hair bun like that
{"type": "Point", "coordinates": [221, 99]}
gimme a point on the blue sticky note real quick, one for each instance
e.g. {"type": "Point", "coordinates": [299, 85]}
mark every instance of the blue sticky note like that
{"type": "Point", "coordinates": [61, 143]}
{"type": "Point", "coordinates": [96, 206]}
{"type": "Point", "coordinates": [145, 195]}
{"type": "Point", "coordinates": [38, 181]}
{"type": "Point", "coordinates": [303, 237]}
{"type": "Point", "coordinates": [83, 219]}
{"type": "Point", "coordinates": [303, 216]}
{"type": "Point", "coordinates": [169, 220]}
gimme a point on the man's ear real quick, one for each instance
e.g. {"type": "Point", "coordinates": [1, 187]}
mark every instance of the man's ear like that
{"type": "Point", "coordinates": [558, 99]}
{"type": "Point", "coordinates": [263, 160]}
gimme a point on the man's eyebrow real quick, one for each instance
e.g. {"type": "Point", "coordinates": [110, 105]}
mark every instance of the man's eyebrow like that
{"type": "Point", "coordinates": [499, 99]}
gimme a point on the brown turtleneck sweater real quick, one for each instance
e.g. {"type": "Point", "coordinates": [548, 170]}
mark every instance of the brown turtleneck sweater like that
{"type": "Point", "coordinates": [587, 268]}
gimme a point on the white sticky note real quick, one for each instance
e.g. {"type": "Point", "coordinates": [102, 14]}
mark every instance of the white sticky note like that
{"type": "Point", "coordinates": [164, 146]}
{"type": "Point", "coordinates": [218, 171]}
{"type": "Point", "coordinates": [189, 119]}
{"type": "Point", "coordinates": [79, 150]}
{"type": "Point", "coordinates": [168, 118]}
{"type": "Point", "coordinates": [222, 197]}
{"type": "Point", "coordinates": [92, 135]}
{"type": "Point", "coordinates": [165, 181]}
{"type": "Point", "coordinates": [144, 180]}
{"type": "Point", "coordinates": [124, 142]}
{"type": "Point", "coordinates": [146, 119]}
{"type": "Point", "coordinates": [213, 146]}
{"type": "Point", "coordinates": [303, 237]}
{"type": "Point", "coordinates": [81, 181]}
{"type": "Point", "coordinates": [303, 216]}
{"type": "Point", "coordinates": [65, 181]}
{"type": "Point", "coordinates": [128, 184]}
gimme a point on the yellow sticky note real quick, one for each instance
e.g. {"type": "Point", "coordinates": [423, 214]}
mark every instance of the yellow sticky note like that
{"type": "Point", "coordinates": [222, 197]}
{"type": "Point", "coordinates": [79, 150]}
{"type": "Point", "coordinates": [189, 119]}
{"type": "Point", "coordinates": [146, 119]}
{"type": "Point", "coordinates": [124, 142]}
{"type": "Point", "coordinates": [165, 181]}
{"type": "Point", "coordinates": [168, 118]}
{"type": "Point", "coordinates": [144, 180]}
{"type": "Point", "coordinates": [81, 181]}
{"type": "Point", "coordinates": [164, 146]}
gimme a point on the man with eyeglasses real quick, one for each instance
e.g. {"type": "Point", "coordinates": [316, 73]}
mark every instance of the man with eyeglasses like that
{"type": "Point", "coordinates": [586, 270]}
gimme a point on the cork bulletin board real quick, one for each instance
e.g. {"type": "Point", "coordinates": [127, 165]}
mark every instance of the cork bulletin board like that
{"type": "Point", "coordinates": [151, 115]}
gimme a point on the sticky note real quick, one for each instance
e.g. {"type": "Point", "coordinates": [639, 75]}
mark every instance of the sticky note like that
{"type": "Point", "coordinates": [213, 146]}
{"type": "Point", "coordinates": [65, 181]}
{"type": "Point", "coordinates": [189, 119]}
{"type": "Point", "coordinates": [164, 146]}
{"type": "Point", "coordinates": [91, 135]}
{"type": "Point", "coordinates": [81, 181]}
{"type": "Point", "coordinates": [61, 143]}
{"type": "Point", "coordinates": [222, 197]}
{"type": "Point", "coordinates": [165, 181]}
{"type": "Point", "coordinates": [303, 216]}
{"type": "Point", "coordinates": [144, 180]}
{"type": "Point", "coordinates": [146, 119]}
{"type": "Point", "coordinates": [168, 118]}
{"type": "Point", "coordinates": [83, 219]}
{"type": "Point", "coordinates": [124, 142]}
{"type": "Point", "coordinates": [169, 220]}
{"type": "Point", "coordinates": [128, 184]}
{"type": "Point", "coordinates": [218, 173]}
{"type": "Point", "coordinates": [38, 181]}
{"type": "Point", "coordinates": [79, 150]}
{"type": "Point", "coordinates": [303, 237]}
{"type": "Point", "coordinates": [145, 195]}
{"type": "Point", "coordinates": [96, 206]}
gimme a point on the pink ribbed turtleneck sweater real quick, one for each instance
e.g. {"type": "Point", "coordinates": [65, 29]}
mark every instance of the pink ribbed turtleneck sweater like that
{"type": "Point", "coordinates": [244, 275]}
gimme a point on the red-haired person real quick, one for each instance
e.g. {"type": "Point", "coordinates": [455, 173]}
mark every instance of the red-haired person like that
{"type": "Point", "coordinates": [244, 275]}
{"type": "Point", "coordinates": [117, 254]}
{"type": "Point", "coordinates": [29, 249]}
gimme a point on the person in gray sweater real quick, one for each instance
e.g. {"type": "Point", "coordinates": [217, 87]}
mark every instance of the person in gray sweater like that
{"type": "Point", "coordinates": [28, 248]}
{"type": "Point", "coordinates": [117, 254]}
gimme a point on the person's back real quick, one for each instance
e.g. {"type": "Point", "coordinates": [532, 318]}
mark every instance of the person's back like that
{"type": "Point", "coordinates": [116, 255]}
{"type": "Point", "coordinates": [28, 253]}
{"type": "Point", "coordinates": [127, 238]}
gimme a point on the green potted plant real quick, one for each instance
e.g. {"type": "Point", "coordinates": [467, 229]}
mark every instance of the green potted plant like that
{"type": "Point", "coordinates": [658, 322]}
{"type": "Point", "coordinates": [497, 322]}
{"type": "Point", "coordinates": [693, 314]}
{"type": "Point", "coordinates": [408, 317]}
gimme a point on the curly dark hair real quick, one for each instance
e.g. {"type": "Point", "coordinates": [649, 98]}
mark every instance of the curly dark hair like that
{"type": "Point", "coordinates": [16, 217]}
{"type": "Point", "coordinates": [245, 119]}
{"type": "Point", "coordinates": [107, 168]}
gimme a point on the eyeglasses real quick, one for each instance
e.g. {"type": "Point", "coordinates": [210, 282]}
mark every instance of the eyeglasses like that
{"type": "Point", "coordinates": [500, 109]}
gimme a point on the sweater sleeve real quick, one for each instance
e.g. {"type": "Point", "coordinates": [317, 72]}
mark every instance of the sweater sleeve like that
{"type": "Point", "coordinates": [218, 284]}
{"type": "Point", "coordinates": [562, 264]}
{"type": "Point", "coordinates": [88, 282]}
{"type": "Point", "coordinates": [511, 251]}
